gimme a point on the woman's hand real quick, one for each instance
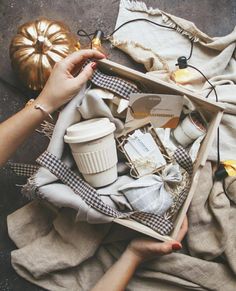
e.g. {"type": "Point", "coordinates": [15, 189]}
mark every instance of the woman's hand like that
{"type": "Point", "coordinates": [143, 249]}
{"type": "Point", "coordinates": [62, 86]}
{"type": "Point", "coordinates": [139, 250]}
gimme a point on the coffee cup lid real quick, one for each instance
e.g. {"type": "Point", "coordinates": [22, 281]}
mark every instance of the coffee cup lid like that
{"type": "Point", "coordinates": [89, 130]}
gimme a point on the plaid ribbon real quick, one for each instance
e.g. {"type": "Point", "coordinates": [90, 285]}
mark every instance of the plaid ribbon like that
{"type": "Point", "coordinates": [92, 198]}
{"type": "Point", "coordinates": [184, 160]}
{"type": "Point", "coordinates": [24, 170]}
{"type": "Point", "coordinates": [114, 84]}
{"type": "Point", "coordinates": [181, 198]}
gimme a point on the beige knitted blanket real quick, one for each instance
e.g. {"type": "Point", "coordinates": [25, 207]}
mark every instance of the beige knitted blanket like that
{"type": "Point", "coordinates": [58, 253]}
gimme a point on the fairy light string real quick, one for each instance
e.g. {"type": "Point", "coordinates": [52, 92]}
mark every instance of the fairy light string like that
{"type": "Point", "coordinates": [83, 33]}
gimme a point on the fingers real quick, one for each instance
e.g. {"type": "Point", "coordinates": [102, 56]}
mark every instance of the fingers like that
{"type": "Point", "coordinates": [77, 57]}
{"type": "Point", "coordinates": [148, 249]}
{"type": "Point", "coordinates": [77, 68]}
{"type": "Point", "coordinates": [84, 75]}
{"type": "Point", "coordinates": [183, 229]}
{"type": "Point", "coordinates": [163, 248]}
{"type": "Point", "coordinates": [166, 248]}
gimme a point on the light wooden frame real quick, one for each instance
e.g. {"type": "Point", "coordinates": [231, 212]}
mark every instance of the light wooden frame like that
{"type": "Point", "coordinates": [211, 111]}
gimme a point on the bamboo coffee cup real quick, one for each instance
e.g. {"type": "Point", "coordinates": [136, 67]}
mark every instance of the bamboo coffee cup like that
{"type": "Point", "coordinates": [94, 150]}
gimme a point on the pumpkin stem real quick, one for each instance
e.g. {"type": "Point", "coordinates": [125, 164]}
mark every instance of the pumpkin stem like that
{"type": "Point", "coordinates": [42, 44]}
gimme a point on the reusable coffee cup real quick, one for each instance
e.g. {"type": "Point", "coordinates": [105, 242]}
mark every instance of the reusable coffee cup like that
{"type": "Point", "coordinates": [188, 130]}
{"type": "Point", "coordinates": [93, 147]}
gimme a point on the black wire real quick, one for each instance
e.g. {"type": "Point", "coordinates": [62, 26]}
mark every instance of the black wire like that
{"type": "Point", "coordinates": [218, 146]}
{"type": "Point", "coordinates": [80, 31]}
{"type": "Point", "coordinates": [191, 66]}
{"type": "Point", "coordinates": [216, 96]}
{"type": "Point", "coordinates": [85, 34]}
{"type": "Point", "coordinates": [212, 86]}
{"type": "Point", "coordinates": [191, 51]}
{"type": "Point", "coordinates": [150, 21]}
{"type": "Point", "coordinates": [208, 94]}
{"type": "Point", "coordinates": [138, 19]}
{"type": "Point", "coordinates": [88, 35]}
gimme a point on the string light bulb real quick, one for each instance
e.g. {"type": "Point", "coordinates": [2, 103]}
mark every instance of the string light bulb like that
{"type": "Point", "coordinates": [96, 42]}
{"type": "Point", "coordinates": [182, 75]}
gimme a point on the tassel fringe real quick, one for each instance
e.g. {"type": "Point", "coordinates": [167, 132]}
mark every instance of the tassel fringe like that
{"type": "Point", "coordinates": [120, 43]}
{"type": "Point", "coordinates": [138, 6]}
{"type": "Point", "coordinates": [30, 189]}
{"type": "Point", "coordinates": [46, 129]}
{"type": "Point", "coordinates": [168, 21]}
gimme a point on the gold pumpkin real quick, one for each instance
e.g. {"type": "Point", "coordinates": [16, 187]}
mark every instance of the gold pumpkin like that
{"type": "Point", "coordinates": [37, 46]}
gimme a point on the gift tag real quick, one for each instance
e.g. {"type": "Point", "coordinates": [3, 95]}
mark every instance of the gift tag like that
{"type": "Point", "coordinates": [144, 153]}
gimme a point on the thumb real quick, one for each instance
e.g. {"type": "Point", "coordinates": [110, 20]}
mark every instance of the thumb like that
{"type": "Point", "coordinates": [167, 247]}
{"type": "Point", "coordinates": [175, 245]}
{"type": "Point", "coordinates": [85, 74]}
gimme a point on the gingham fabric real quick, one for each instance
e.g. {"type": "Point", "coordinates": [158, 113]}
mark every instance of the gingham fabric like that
{"type": "Point", "coordinates": [92, 198]}
{"type": "Point", "coordinates": [181, 198]}
{"type": "Point", "coordinates": [24, 170]}
{"type": "Point", "coordinates": [157, 222]}
{"type": "Point", "coordinates": [184, 160]}
{"type": "Point", "coordinates": [114, 84]}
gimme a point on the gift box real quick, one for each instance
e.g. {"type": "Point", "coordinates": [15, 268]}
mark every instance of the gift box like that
{"type": "Point", "coordinates": [212, 113]}
{"type": "Point", "coordinates": [61, 183]}
{"type": "Point", "coordinates": [144, 128]}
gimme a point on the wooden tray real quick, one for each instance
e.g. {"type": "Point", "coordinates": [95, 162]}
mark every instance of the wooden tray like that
{"type": "Point", "coordinates": [211, 111]}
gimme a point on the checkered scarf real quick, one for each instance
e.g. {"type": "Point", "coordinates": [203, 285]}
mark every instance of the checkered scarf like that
{"type": "Point", "coordinates": [92, 198]}
{"type": "Point", "coordinates": [184, 160]}
{"type": "Point", "coordinates": [24, 170]}
{"type": "Point", "coordinates": [114, 84]}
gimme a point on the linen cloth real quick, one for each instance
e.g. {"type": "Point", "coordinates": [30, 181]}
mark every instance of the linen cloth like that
{"type": "Point", "coordinates": [59, 254]}
{"type": "Point", "coordinates": [159, 48]}
{"type": "Point", "coordinates": [94, 98]}
{"type": "Point", "coordinates": [91, 197]}
{"type": "Point", "coordinates": [44, 183]}
{"type": "Point", "coordinates": [150, 193]}
{"type": "Point", "coordinates": [114, 84]}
